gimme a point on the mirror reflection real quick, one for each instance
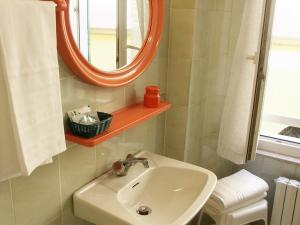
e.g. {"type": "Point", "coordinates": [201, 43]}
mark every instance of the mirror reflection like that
{"type": "Point", "coordinates": [109, 33]}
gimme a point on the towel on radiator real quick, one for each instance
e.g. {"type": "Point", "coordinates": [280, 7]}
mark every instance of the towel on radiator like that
{"type": "Point", "coordinates": [236, 189]}
{"type": "Point", "coordinates": [30, 109]}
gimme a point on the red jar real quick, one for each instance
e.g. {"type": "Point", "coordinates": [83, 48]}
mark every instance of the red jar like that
{"type": "Point", "coordinates": [152, 97]}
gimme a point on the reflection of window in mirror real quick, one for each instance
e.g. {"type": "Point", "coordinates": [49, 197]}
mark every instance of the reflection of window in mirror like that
{"type": "Point", "coordinates": [137, 27]}
{"type": "Point", "coordinates": [80, 25]}
{"type": "Point", "coordinates": [109, 33]}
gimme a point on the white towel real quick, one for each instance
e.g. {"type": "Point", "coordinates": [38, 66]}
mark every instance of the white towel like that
{"type": "Point", "coordinates": [233, 190]}
{"type": "Point", "coordinates": [31, 118]}
{"type": "Point", "coordinates": [217, 211]}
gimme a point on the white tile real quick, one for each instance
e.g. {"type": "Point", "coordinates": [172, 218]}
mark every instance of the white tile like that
{"type": "Point", "coordinates": [6, 210]}
{"type": "Point", "coordinates": [198, 84]}
{"type": "Point", "coordinates": [224, 5]}
{"type": "Point", "coordinates": [212, 115]}
{"type": "Point", "coordinates": [287, 169]}
{"type": "Point", "coordinates": [77, 168]}
{"type": "Point", "coordinates": [176, 123]}
{"type": "Point", "coordinates": [187, 4]}
{"type": "Point", "coordinates": [271, 166]}
{"type": "Point", "coordinates": [70, 219]}
{"type": "Point", "coordinates": [110, 99]}
{"type": "Point", "coordinates": [181, 33]}
{"type": "Point", "coordinates": [37, 198]}
{"type": "Point", "coordinates": [206, 5]}
{"type": "Point", "coordinates": [179, 75]}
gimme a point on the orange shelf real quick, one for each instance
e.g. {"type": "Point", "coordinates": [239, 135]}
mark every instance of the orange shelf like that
{"type": "Point", "coordinates": [122, 121]}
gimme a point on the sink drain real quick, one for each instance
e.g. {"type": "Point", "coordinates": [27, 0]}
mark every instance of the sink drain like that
{"type": "Point", "coordinates": [144, 210]}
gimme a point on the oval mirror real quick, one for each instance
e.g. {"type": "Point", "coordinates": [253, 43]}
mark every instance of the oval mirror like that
{"type": "Point", "coordinates": [109, 42]}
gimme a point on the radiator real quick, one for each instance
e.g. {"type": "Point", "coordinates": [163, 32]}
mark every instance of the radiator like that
{"type": "Point", "coordinates": [286, 206]}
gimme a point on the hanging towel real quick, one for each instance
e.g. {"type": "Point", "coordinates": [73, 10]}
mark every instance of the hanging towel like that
{"type": "Point", "coordinates": [233, 190]}
{"type": "Point", "coordinates": [30, 112]}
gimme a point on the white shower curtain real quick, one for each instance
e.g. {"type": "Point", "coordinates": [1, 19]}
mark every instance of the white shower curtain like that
{"type": "Point", "coordinates": [237, 112]}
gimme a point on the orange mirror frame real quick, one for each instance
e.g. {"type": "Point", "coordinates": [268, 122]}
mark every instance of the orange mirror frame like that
{"type": "Point", "coordinates": [72, 56]}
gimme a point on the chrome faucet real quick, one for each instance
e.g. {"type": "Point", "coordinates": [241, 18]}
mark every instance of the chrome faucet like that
{"type": "Point", "coordinates": [121, 167]}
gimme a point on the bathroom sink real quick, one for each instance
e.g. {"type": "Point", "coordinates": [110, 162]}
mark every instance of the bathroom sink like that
{"type": "Point", "coordinates": [169, 192]}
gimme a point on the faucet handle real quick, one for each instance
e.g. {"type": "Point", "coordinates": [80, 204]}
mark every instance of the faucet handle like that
{"type": "Point", "coordinates": [132, 157]}
{"type": "Point", "coordinates": [118, 168]}
{"type": "Point", "coordinates": [146, 163]}
{"type": "Point", "coordinates": [129, 156]}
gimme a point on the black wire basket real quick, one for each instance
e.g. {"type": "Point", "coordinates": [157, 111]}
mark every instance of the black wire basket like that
{"type": "Point", "coordinates": [89, 131]}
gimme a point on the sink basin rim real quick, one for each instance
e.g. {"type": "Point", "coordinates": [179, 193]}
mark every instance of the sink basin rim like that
{"type": "Point", "coordinates": [111, 207]}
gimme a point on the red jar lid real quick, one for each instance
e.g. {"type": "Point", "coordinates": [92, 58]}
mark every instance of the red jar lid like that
{"type": "Point", "coordinates": [152, 89]}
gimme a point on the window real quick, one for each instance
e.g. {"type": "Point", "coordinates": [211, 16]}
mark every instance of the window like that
{"type": "Point", "coordinates": [280, 127]}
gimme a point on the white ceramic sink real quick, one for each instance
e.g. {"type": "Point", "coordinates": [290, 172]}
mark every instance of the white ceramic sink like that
{"type": "Point", "coordinates": [175, 191]}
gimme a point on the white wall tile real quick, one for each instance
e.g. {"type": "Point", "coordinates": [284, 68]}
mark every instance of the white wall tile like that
{"type": "Point", "coordinates": [36, 199]}
{"type": "Point", "coordinates": [77, 167]}
{"type": "Point", "coordinates": [6, 206]}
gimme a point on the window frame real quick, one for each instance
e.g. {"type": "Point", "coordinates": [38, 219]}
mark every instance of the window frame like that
{"type": "Point", "coordinates": [278, 148]}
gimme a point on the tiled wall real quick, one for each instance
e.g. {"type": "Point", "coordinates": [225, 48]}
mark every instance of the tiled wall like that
{"type": "Point", "coordinates": [45, 198]}
{"type": "Point", "coordinates": [193, 58]}
{"type": "Point", "coordinates": [196, 80]}
{"type": "Point", "coordinates": [196, 85]}
{"type": "Point", "coordinates": [181, 34]}
{"type": "Point", "coordinates": [210, 69]}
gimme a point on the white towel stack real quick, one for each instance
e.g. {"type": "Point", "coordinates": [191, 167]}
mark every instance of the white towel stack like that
{"type": "Point", "coordinates": [235, 191]}
{"type": "Point", "coordinates": [30, 109]}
